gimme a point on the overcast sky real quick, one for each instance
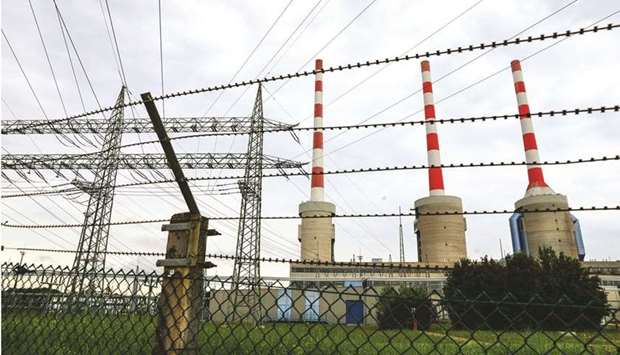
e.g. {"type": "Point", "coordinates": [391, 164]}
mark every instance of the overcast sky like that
{"type": "Point", "coordinates": [206, 42]}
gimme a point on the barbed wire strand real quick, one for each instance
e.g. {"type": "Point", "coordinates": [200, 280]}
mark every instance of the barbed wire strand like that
{"type": "Point", "coordinates": [350, 66]}
{"type": "Point", "coordinates": [561, 113]}
{"type": "Point", "coordinates": [355, 171]}
{"type": "Point", "coordinates": [360, 170]}
{"type": "Point", "coordinates": [352, 215]}
{"type": "Point", "coordinates": [361, 266]}
{"type": "Point", "coordinates": [399, 266]}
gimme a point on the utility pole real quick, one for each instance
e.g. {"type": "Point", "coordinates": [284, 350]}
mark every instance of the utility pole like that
{"type": "Point", "coordinates": [401, 239]}
{"type": "Point", "coordinates": [21, 258]}
{"type": "Point", "coordinates": [501, 250]}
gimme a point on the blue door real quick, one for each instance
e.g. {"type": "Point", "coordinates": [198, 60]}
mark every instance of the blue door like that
{"type": "Point", "coordinates": [311, 306]}
{"type": "Point", "coordinates": [355, 312]}
{"type": "Point", "coordinates": [284, 304]}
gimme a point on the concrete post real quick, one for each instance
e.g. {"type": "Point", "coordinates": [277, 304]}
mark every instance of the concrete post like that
{"type": "Point", "coordinates": [182, 292]}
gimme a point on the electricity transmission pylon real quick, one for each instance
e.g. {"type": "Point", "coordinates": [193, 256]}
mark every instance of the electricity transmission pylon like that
{"type": "Point", "coordinates": [246, 273]}
{"type": "Point", "coordinates": [91, 251]}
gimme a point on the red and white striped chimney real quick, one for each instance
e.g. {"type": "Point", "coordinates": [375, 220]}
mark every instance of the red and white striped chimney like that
{"type": "Point", "coordinates": [435, 177]}
{"type": "Point", "coordinates": [537, 184]}
{"type": "Point", "coordinates": [317, 185]}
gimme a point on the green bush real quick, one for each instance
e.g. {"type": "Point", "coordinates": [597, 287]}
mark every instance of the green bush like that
{"type": "Point", "coordinates": [398, 309]}
{"type": "Point", "coordinates": [552, 292]}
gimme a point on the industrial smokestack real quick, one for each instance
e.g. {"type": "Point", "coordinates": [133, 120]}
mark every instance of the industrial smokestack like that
{"type": "Point", "coordinates": [317, 235]}
{"type": "Point", "coordinates": [441, 238]}
{"type": "Point", "coordinates": [317, 192]}
{"type": "Point", "coordinates": [537, 184]}
{"type": "Point", "coordinates": [435, 176]}
{"type": "Point", "coordinates": [532, 230]}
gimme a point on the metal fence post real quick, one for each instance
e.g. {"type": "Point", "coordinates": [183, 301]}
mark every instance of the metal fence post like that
{"type": "Point", "coordinates": [182, 292]}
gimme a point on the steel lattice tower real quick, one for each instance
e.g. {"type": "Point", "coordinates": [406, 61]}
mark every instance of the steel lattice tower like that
{"type": "Point", "coordinates": [246, 273]}
{"type": "Point", "coordinates": [247, 268]}
{"type": "Point", "coordinates": [90, 256]}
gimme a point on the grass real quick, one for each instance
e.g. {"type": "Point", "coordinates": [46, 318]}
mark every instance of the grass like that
{"type": "Point", "coordinates": [34, 333]}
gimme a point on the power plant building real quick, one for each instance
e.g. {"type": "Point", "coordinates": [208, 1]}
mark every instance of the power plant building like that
{"type": "Point", "coordinates": [348, 293]}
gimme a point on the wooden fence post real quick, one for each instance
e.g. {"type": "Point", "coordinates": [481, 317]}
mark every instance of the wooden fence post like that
{"type": "Point", "coordinates": [182, 293]}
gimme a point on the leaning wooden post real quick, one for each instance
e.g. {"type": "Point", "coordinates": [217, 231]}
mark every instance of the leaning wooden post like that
{"type": "Point", "coordinates": [182, 291]}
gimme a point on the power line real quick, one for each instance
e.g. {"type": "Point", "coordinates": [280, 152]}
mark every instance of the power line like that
{"type": "Point", "coordinates": [161, 60]}
{"type": "Point", "coordinates": [64, 38]}
{"type": "Point", "coordinates": [39, 234]}
{"type": "Point", "coordinates": [247, 59]}
{"type": "Point", "coordinates": [77, 54]}
{"type": "Point", "coordinates": [340, 32]}
{"type": "Point", "coordinates": [274, 55]}
{"type": "Point", "coordinates": [591, 27]}
{"type": "Point", "coordinates": [441, 28]}
{"type": "Point", "coordinates": [59, 208]}
{"type": "Point", "coordinates": [9, 108]}
{"type": "Point", "coordinates": [397, 102]}
{"type": "Point", "coordinates": [120, 63]}
{"type": "Point", "coordinates": [352, 215]}
{"type": "Point", "coordinates": [330, 41]}
{"type": "Point", "coordinates": [350, 66]}
{"type": "Point", "coordinates": [19, 64]}
{"type": "Point", "coordinates": [49, 62]}
{"type": "Point", "coordinates": [118, 52]}
{"type": "Point", "coordinates": [301, 33]}
{"type": "Point", "coordinates": [104, 17]}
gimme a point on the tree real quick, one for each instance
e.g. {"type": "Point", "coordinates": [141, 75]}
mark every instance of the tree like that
{"type": "Point", "coordinates": [399, 308]}
{"type": "Point", "coordinates": [551, 292]}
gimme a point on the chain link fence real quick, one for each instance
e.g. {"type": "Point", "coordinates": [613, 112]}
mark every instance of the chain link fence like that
{"type": "Point", "coordinates": [126, 312]}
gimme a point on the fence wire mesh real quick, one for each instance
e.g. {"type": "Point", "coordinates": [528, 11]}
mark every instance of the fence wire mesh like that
{"type": "Point", "coordinates": [187, 313]}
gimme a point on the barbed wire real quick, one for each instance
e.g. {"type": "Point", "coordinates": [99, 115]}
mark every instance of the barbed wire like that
{"type": "Point", "coordinates": [541, 114]}
{"type": "Point", "coordinates": [350, 66]}
{"type": "Point", "coordinates": [359, 170]}
{"type": "Point", "coordinates": [394, 124]}
{"type": "Point", "coordinates": [350, 215]}
{"type": "Point", "coordinates": [400, 266]}
{"type": "Point", "coordinates": [560, 113]}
